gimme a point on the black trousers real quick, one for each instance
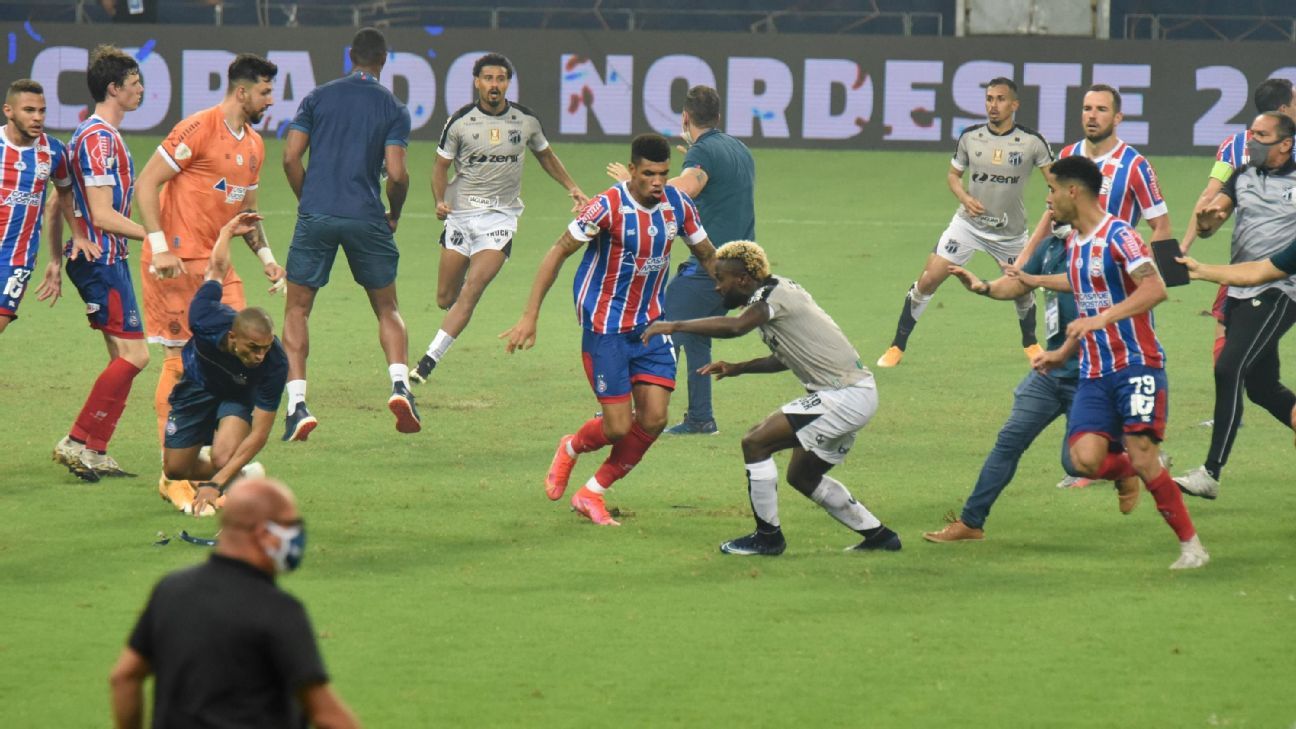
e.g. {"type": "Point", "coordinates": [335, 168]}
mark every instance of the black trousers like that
{"type": "Point", "coordinates": [1249, 361]}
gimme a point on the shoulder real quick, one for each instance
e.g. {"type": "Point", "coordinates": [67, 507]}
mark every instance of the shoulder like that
{"type": "Point", "coordinates": [1069, 150]}
{"type": "Point", "coordinates": [969, 130]}
{"type": "Point", "coordinates": [1033, 134]}
{"type": "Point", "coordinates": [525, 110]}
{"type": "Point", "coordinates": [765, 291]}
{"type": "Point", "coordinates": [460, 113]}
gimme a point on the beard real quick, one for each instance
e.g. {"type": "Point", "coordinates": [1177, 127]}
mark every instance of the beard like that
{"type": "Point", "coordinates": [256, 117]}
{"type": "Point", "coordinates": [734, 300]}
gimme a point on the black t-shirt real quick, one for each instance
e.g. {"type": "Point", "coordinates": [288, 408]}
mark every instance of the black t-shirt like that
{"type": "Point", "coordinates": [228, 649]}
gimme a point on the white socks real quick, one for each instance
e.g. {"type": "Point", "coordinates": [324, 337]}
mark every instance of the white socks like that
{"type": "Point", "coordinates": [843, 507]}
{"type": "Point", "coordinates": [762, 489]}
{"type": "Point", "coordinates": [440, 345]}
{"type": "Point", "coordinates": [593, 485]}
{"type": "Point", "coordinates": [399, 374]}
{"type": "Point", "coordinates": [918, 302]}
{"type": "Point", "coordinates": [296, 393]}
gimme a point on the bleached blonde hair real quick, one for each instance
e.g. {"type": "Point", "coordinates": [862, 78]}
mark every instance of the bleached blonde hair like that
{"type": "Point", "coordinates": [750, 255]}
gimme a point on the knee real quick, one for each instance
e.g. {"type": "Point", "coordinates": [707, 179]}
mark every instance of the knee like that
{"type": "Point", "coordinates": [1086, 464]}
{"type": "Point", "coordinates": [446, 299]}
{"type": "Point", "coordinates": [803, 481]}
{"type": "Point", "coordinates": [173, 470]}
{"type": "Point", "coordinates": [753, 449]}
{"type": "Point", "coordinates": [138, 356]}
{"type": "Point", "coordinates": [653, 424]}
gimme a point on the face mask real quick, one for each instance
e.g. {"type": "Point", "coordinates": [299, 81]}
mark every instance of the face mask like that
{"type": "Point", "coordinates": [684, 132]}
{"type": "Point", "coordinates": [292, 546]}
{"type": "Point", "coordinates": [1258, 152]}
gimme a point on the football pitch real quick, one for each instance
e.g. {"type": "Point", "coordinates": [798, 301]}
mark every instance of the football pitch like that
{"type": "Point", "coordinates": [446, 590]}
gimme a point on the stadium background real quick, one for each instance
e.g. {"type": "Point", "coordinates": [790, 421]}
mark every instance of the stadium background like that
{"type": "Point", "coordinates": [447, 591]}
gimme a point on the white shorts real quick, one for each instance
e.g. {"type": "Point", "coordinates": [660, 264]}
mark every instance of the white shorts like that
{"type": "Point", "coordinates": [489, 231]}
{"type": "Point", "coordinates": [826, 422]}
{"type": "Point", "coordinates": [960, 240]}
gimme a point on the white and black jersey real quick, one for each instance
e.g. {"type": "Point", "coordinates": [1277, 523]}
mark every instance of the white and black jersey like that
{"type": "Point", "coordinates": [998, 166]}
{"type": "Point", "coordinates": [488, 151]}
{"type": "Point", "coordinates": [803, 337]}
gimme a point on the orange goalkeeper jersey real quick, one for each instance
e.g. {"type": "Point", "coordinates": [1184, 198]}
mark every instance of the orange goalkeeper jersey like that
{"type": "Point", "coordinates": [217, 169]}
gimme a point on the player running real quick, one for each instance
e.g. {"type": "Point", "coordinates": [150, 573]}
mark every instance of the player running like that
{"type": "Point", "coordinates": [991, 215]}
{"type": "Point", "coordinates": [487, 141]}
{"type": "Point", "coordinates": [30, 161]}
{"type": "Point", "coordinates": [627, 233]}
{"type": "Point", "coordinates": [103, 184]}
{"type": "Point", "coordinates": [1118, 417]}
{"type": "Point", "coordinates": [820, 428]}
{"type": "Point", "coordinates": [208, 169]}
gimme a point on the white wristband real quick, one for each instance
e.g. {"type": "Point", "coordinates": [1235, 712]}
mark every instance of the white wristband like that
{"type": "Point", "coordinates": [266, 255]}
{"type": "Point", "coordinates": [157, 241]}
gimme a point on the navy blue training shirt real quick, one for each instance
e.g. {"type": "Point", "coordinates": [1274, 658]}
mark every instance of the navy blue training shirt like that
{"type": "Point", "coordinates": [351, 121]}
{"type": "Point", "coordinates": [221, 373]}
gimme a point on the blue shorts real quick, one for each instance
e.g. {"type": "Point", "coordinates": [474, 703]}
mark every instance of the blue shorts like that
{"type": "Point", "coordinates": [109, 297]}
{"type": "Point", "coordinates": [369, 246]}
{"type": "Point", "coordinates": [616, 362]}
{"type": "Point", "coordinates": [1133, 401]}
{"type": "Point", "coordinates": [13, 284]}
{"type": "Point", "coordinates": [196, 413]}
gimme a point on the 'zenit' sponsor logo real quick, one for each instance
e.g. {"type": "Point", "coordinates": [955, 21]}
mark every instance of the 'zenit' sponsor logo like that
{"type": "Point", "coordinates": [1002, 179]}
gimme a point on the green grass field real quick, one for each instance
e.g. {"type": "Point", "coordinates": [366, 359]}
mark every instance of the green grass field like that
{"type": "Point", "coordinates": [447, 591]}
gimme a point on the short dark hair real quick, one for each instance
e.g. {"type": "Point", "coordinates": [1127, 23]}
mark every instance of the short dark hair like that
{"type": "Point", "coordinates": [651, 147]}
{"type": "Point", "coordinates": [24, 86]}
{"type": "Point", "coordinates": [1003, 81]}
{"type": "Point", "coordinates": [369, 47]}
{"type": "Point", "coordinates": [251, 67]}
{"type": "Point", "coordinates": [493, 59]}
{"type": "Point", "coordinates": [1116, 100]}
{"type": "Point", "coordinates": [1078, 168]}
{"type": "Point", "coordinates": [253, 319]}
{"type": "Point", "coordinates": [1273, 93]}
{"type": "Point", "coordinates": [108, 65]}
{"type": "Point", "coordinates": [703, 106]}
{"type": "Point", "coordinates": [1286, 127]}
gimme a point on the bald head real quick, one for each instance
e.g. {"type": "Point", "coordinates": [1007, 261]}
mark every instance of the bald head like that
{"type": "Point", "coordinates": [255, 500]}
{"type": "Point", "coordinates": [254, 322]}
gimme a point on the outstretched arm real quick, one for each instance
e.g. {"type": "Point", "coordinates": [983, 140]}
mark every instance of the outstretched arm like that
{"type": "Point", "coordinates": [209, 491]}
{"type": "Point", "coordinates": [762, 366]}
{"type": "Point", "coordinates": [722, 327]}
{"type": "Point", "coordinates": [1250, 273]}
{"type": "Point", "coordinates": [1002, 288]}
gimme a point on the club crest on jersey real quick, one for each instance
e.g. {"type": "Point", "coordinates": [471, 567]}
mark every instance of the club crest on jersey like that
{"type": "Point", "coordinates": [1095, 267]}
{"type": "Point", "coordinates": [515, 136]}
{"type": "Point", "coordinates": [495, 136]}
{"type": "Point", "coordinates": [1015, 159]}
{"type": "Point", "coordinates": [42, 170]}
{"type": "Point", "coordinates": [671, 229]}
{"type": "Point", "coordinates": [1289, 194]}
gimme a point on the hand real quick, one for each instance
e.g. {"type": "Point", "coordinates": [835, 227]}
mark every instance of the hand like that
{"type": "Point", "coordinates": [1191, 264]}
{"type": "Point", "coordinates": [579, 199]}
{"type": "Point", "coordinates": [85, 247]}
{"type": "Point", "coordinates": [970, 281]}
{"type": "Point", "coordinates": [205, 497]}
{"type": "Point", "coordinates": [1211, 217]}
{"type": "Point", "coordinates": [720, 369]}
{"type": "Point", "coordinates": [442, 210]}
{"type": "Point", "coordinates": [52, 285]}
{"type": "Point", "coordinates": [658, 327]}
{"type": "Point", "coordinates": [973, 206]}
{"type": "Point", "coordinates": [241, 224]}
{"type": "Point", "coordinates": [1085, 324]}
{"type": "Point", "coordinates": [166, 265]}
{"type": "Point", "coordinates": [277, 276]}
{"type": "Point", "coordinates": [521, 336]}
{"type": "Point", "coordinates": [392, 220]}
{"type": "Point", "coordinates": [618, 171]}
{"type": "Point", "coordinates": [1048, 360]}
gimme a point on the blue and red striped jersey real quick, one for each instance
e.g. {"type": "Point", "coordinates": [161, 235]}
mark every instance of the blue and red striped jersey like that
{"type": "Point", "coordinates": [619, 284]}
{"type": "Point", "coordinates": [1099, 269]}
{"type": "Point", "coordinates": [99, 158]}
{"type": "Point", "coordinates": [1130, 190]}
{"type": "Point", "coordinates": [25, 175]}
{"type": "Point", "coordinates": [1232, 151]}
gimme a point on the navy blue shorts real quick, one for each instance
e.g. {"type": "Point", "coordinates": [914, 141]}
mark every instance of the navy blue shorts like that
{"type": "Point", "coordinates": [109, 296]}
{"type": "Point", "coordinates": [196, 413]}
{"type": "Point", "coordinates": [13, 284]}
{"type": "Point", "coordinates": [616, 362]}
{"type": "Point", "coordinates": [1133, 401]}
{"type": "Point", "coordinates": [369, 247]}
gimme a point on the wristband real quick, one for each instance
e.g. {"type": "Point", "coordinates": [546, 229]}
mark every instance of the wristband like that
{"type": "Point", "coordinates": [220, 487]}
{"type": "Point", "coordinates": [985, 291]}
{"type": "Point", "coordinates": [266, 255]}
{"type": "Point", "coordinates": [157, 241]}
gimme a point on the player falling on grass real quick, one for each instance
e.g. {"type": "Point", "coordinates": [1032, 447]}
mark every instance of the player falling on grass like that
{"type": "Point", "coordinates": [487, 141]}
{"type": "Point", "coordinates": [997, 158]}
{"type": "Point", "coordinates": [103, 184]}
{"type": "Point", "coordinates": [626, 232]}
{"type": "Point", "coordinates": [820, 428]}
{"type": "Point", "coordinates": [207, 169]}
{"type": "Point", "coordinates": [234, 375]}
{"type": "Point", "coordinates": [1118, 416]}
{"type": "Point", "coordinates": [30, 162]}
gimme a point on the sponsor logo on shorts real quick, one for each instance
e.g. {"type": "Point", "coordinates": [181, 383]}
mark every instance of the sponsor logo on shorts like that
{"type": "Point", "coordinates": [501, 233]}
{"type": "Point", "coordinates": [171, 426]}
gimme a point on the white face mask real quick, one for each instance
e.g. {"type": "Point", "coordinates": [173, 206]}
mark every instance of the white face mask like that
{"type": "Point", "coordinates": [292, 546]}
{"type": "Point", "coordinates": [684, 132]}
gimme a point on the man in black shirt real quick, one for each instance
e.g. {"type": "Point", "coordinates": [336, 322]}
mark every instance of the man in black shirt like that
{"type": "Point", "coordinates": [228, 648]}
